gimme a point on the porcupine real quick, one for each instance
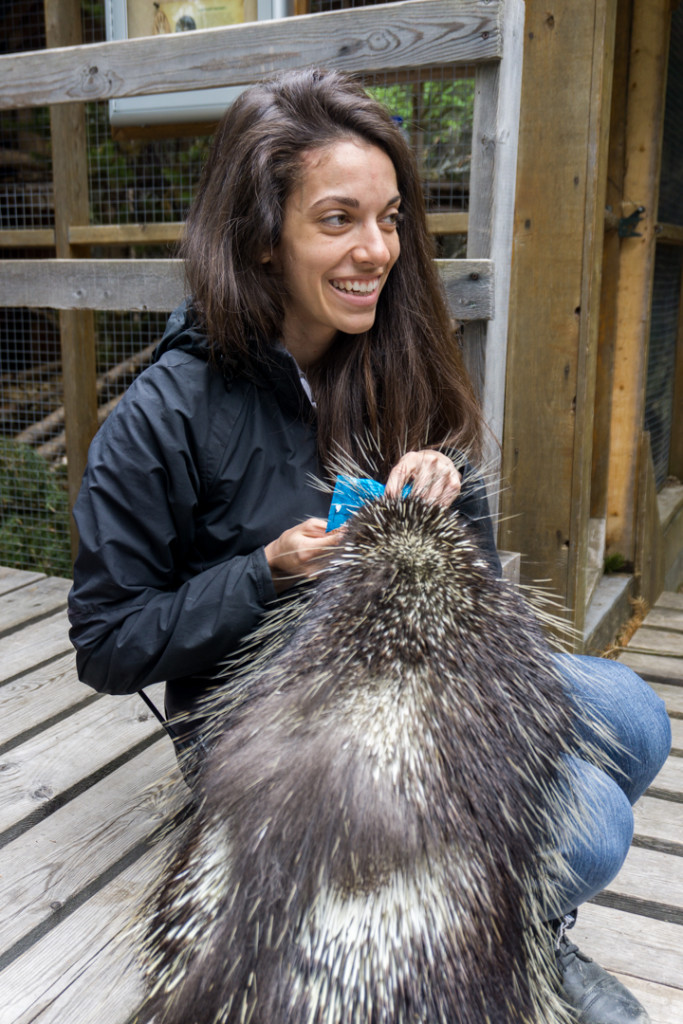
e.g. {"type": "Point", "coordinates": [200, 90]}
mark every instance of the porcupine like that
{"type": "Point", "coordinates": [375, 822]}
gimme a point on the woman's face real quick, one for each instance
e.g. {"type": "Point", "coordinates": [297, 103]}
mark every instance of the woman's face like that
{"type": "Point", "coordinates": [339, 242]}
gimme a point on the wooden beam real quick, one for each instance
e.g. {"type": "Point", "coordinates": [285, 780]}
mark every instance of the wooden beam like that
{"type": "Point", "coordinates": [644, 124]}
{"type": "Point", "coordinates": [557, 240]}
{"type": "Point", "coordinates": [410, 34]}
{"type": "Point", "coordinates": [610, 267]}
{"type": "Point", "coordinates": [159, 285]}
{"type": "Point", "coordinates": [27, 238]}
{"type": "Point", "coordinates": [70, 180]}
{"type": "Point", "coordinates": [669, 234]}
{"type": "Point", "coordinates": [125, 234]}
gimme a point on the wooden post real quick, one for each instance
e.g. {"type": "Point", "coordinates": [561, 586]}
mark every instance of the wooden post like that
{"type": "Point", "coordinates": [644, 123]}
{"type": "Point", "coordinates": [676, 450]}
{"type": "Point", "coordinates": [77, 327]}
{"type": "Point", "coordinates": [557, 250]}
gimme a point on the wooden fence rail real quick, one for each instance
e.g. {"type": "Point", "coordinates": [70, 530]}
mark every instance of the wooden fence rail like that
{"type": "Point", "coordinates": [382, 38]}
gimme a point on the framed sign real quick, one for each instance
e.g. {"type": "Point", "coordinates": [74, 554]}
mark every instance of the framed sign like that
{"type": "Point", "coordinates": [129, 19]}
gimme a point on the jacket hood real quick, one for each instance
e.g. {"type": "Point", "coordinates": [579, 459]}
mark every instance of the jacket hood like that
{"type": "Point", "coordinates": [183, 332]}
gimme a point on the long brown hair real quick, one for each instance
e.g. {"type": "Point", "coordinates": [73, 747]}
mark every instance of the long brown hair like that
{"type": "Point", "coordinates": [403, 382]}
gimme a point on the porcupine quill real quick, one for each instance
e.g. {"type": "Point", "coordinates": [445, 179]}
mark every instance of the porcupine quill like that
{"type": "Point", "coordinates": [375, 825]}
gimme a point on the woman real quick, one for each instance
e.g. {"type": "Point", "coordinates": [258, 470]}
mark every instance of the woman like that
{"type": "Point", "coordinates": [316, 321]}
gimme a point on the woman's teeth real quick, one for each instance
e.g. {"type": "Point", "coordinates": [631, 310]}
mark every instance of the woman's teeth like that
{"type": "Point", "coordinates": [356, 286]}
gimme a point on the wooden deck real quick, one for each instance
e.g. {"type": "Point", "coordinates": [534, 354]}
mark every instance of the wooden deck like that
{"type": "Point", "coordinates": [81, 795]}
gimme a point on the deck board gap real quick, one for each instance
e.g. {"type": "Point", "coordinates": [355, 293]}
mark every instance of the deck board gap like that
{"type": "Point", "coordinates": [60, 799]}
{"type": "Point", "coordinates": [639, 907]}
{"type": "Point", "coordinates": [47, 723]}
{"type": "Point", "coordinates": [32, 620]}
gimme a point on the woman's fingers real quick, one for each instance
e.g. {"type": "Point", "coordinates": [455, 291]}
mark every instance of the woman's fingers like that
{"type": "Point", "coordinates": [432, 475]}
{"type": "Point", "coordinates": [297, 552]}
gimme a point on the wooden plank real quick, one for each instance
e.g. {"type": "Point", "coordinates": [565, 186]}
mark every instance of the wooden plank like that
{"type": "Point", "coordinates": [642, 157]}
{"type": "Point", "coordinates": [43, 871]}
{"type": "Point", "coordinates": [32, 602]}
{"type": "Point", "coordinates": [654, 668]}
{"type": "Point", "coordinates": [81, 971]}
{"type": "Point", "coordinates": [71, 206]}
{"type": "Point", "coordinates": [14, 579]}
{"type": "Point", "coordinates": [669, 234]}
{"type": "Point", "coordinates": [677, 734]}
{"type": "Point", "coordinates": [34, 644]}
{"type": "Point", "coordinates": [159, 285]}
{"type": "Point", "coordinates": [664, 1003]}
{"type": "Point", "coordinates": [558, 210]}
{"type": "Point", "coordinates": [412, 34]}
{"type": "Point", "coordinates": [447, 223]}
{"type": "Point", "coordinates": [672, 695]}
{"type": "Point", "coordinates": [669, 783]}
{"type": "Point", "coordinates": [661, 617]}
{"type": "Point", "coordinates": [38, 696]}
{"type": "Point", "coordinates": [27, 238]}
{"type": "Point", "coordinates": [125, 234]}
{"type": "Point", "coordinates": [657, 641]}
{"type": "Point", "coordinates": [629, 944]}
{"type": "Point", "coordinates": [670, 600]}
{"type": "Point", "coordinates": [45, 767]}
{"type": "Point", "coordinates": [649, 878]}
{"type": "Point", "coordinates": [659, 821]}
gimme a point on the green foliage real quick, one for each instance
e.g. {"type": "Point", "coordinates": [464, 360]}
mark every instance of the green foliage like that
{"type": "Point", "coordinates": [34, 512]}
{"type": "Point", "coordinates": [615, 563]}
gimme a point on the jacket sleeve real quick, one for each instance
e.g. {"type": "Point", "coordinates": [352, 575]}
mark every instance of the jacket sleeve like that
{"type": "Point", "coordinates": [135, 619]}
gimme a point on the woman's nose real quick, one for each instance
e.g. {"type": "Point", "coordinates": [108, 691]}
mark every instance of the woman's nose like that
{"type": "Point", "coordinates": [371, 246]}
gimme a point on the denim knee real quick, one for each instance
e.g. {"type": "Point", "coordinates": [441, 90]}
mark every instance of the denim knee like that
{"type": "Point", "coordinates": [610, 696]}
{"type": "Point", "coordinates": [593, 847]}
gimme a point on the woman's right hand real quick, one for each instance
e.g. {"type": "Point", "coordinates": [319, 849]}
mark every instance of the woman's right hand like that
{"type": "Point", "coordinates": [299, 551]}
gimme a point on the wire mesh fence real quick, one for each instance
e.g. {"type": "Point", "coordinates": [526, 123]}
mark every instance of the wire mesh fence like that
{"type": "Point", "coordinates": [664, 345]}
{"type": "Point", "coordinates": [137, 177]}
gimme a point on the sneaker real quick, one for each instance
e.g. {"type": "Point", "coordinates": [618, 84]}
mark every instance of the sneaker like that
{"type": "Point", "coordinates": [595, 995]}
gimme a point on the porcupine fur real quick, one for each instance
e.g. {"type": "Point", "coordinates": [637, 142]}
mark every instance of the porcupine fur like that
{"type": "Point", "coordinates": [375, 823]}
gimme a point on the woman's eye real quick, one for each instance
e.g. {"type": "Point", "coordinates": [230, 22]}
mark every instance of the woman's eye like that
{"type": "Point", "coordinates": [393, 218]}
{"type": "Point", "coordinates": [336, 220]}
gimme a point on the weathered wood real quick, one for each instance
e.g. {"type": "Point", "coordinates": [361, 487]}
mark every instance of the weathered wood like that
{"type": "Point", "coordinates": [447, 223]}
{"type": "Point", "coordinates": [32, 698]}
{"type": "Point", "coordinates": [659, 820]}
{"type": "Point", "coordinates": [36, 601]}
{"type": "Point", "coordinates": [26, 238]}
{"type": "Point", "coordinates": [558, 235]}
{"type": "Point", "coordinates": [662, 617]}
{"type": "Point", "coordinates": [398, 35]}
{"type": "Point", "coordinates": [71, 206]}
{"type": "Point", "coordinates": [610, 266]}
{"type": "Point", "coordinates": [40, 874]}
{"type": "Point", "coordinates": [125, 234]}
{"type": "Point", "coordinates": [669, 234]}
{"type": "Point", "coordinates": [638, 946]}
{"type": "Point", "coordinates": [664, 1003]}
{"type": "Point", "coordinates": [81, 970]}
{"type": "Point", "coordinates": [47, 765]}
{"type": "Point", "coordinates": [657, 641]}
{"type": "Point", "coordinates": [649, 563]}
{"type": "Point", "coordinates": [671, 694]}
{"type": "Point", "coordinates": [159, 285]}
{"type": "Point", "coordinates": [647, 877]}
{"type": "Point", "coordinates": [489, 236]}
{"type": "Point", "coordinates": [669, 782]}
{"type": "Point", "coordinates": [654, 668]}
{"type": "Point", "coordinates": [34, 644]}
{"type": "Point", "coordinates": [644, 124]}
{"type": "Point", "coordinates": [15, 579]}
{"type": "Point", "coordinates": [595, 176]}
{"type": "Point", "coordinates": [668, 599]}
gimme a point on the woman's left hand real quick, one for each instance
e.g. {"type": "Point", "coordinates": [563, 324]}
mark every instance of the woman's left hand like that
{"type": "Point", "coordinates": [432, 474]}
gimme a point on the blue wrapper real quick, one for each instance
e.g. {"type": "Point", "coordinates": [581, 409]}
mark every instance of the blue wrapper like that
{"type": "Point", "coordinates": [350, 492]}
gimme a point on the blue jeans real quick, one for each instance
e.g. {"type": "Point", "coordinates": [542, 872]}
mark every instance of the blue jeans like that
{"type": "Point", "coordinates": [608, 692]}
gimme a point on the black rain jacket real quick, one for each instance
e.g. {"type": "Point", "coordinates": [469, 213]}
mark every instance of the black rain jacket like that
{"type": "Point", "coordinates": [190, 476]}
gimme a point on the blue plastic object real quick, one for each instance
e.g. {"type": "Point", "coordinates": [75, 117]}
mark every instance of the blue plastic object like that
{"type": "Point", "coordinates": [350, 492]}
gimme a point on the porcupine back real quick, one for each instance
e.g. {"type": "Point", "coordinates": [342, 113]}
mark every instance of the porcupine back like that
{"type": "Point", "coordinates": [374, 824]}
